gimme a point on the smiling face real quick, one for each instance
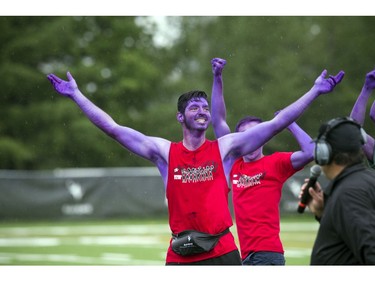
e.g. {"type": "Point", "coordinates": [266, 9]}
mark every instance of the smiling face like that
{"type": "Point", "coordinates": [197, 114]}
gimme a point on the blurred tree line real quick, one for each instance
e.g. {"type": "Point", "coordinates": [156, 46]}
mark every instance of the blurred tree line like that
{"type": "Point", "coordinates": [271, 62]}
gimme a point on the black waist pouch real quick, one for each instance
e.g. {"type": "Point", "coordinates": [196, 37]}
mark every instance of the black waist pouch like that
{"type": "Point", "coordinates": [191, 242]}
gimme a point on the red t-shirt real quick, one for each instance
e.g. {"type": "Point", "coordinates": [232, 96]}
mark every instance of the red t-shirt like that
{"type": "Point", "coordinates": [197, 193]}
{"type": "Point", "coordinates": [257, 193]}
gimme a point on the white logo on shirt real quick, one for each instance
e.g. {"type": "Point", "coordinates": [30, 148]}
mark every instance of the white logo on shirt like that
{"type": "Point", "coordinates": [245, 181]}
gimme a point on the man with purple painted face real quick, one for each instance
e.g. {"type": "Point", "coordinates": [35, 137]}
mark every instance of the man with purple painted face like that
{"type": "Point", "coordinates": [257, 179]}
{"type": "Point", "coordinates": [359, 111]}
{"type": "Point", "coordinates": [195, 171]}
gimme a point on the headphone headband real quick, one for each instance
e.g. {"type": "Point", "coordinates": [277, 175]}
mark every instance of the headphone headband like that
{"type": "Point", "coordinates": [333, 123]}
{"type": "Point", "coordinates": [323, 150]}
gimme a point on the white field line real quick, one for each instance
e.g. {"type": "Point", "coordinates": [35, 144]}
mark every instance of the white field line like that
{"type": "Point", "coordinates": [298, 226]}
{"type": "Point", "coordinates": [29, 242]}
{"type": "Point", "coordinates": [106, 235]}
{"type": "Point", "coordinates": [105, 259]}
{"type": "Point", "coordinates": [82, 230]}
{"type": "Point", "coordinates": [122, 230]}
{"type": "Point", "coordinates": [118, 241]}
{"type": "Point", "coordinates": [297, 252]}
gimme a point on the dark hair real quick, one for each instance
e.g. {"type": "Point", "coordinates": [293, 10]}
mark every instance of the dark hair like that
{"type": "Point", "coordinates": [348, 158]}
{"type": "Point", "coordinates": [247, 119]}
{"type": "Point", "coordinates": [186, 97]}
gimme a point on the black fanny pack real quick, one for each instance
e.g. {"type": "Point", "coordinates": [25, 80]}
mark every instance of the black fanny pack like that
{"type": "Point", "coordinates": [191, 242]}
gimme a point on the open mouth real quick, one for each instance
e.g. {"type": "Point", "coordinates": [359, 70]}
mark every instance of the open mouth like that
{"type": "Point", "coordinates": [201, 120]}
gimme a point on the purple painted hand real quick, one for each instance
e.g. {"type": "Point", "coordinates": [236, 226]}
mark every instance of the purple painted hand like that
{"type": "Point", "coordinates": [370, 80]}
{"type": "Point", "coordinates": [65, 88]}
{"type": "Point", "coordinates": [218, 65]}
{"type": "Point", "coordinates": [327, 85]}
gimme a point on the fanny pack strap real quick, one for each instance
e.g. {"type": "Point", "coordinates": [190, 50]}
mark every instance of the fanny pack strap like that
{"type": "Point", "coordinates": [222, 233]}
{"type": "Point", "coordinates": [214, 235]}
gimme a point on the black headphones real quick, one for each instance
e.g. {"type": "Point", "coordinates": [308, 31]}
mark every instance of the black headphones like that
{"type": "Point", "coordinates": [323, 150]}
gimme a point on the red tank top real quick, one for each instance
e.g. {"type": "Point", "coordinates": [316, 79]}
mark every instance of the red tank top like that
{"type": "Point", "coordinates": [197, 193]}
{"type": "Point", "coordinates": [257, 190]}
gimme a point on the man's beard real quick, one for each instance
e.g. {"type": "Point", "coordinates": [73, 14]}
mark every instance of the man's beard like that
{"type": "Point", "coordinates": [191, 126]}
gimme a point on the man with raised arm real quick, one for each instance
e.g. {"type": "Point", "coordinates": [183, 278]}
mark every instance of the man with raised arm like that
{"type": "Point", "coordinates": [195, 171]}
{"type": "Point", "coordinates": [257, 180]}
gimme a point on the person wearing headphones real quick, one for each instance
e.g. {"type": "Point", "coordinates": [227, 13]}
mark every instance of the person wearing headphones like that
{"type": "Point", "coordinates": [346, 207]}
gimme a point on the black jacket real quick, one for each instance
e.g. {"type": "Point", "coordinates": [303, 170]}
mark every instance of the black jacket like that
{"type": "Point", "coordinates": [346, 235]}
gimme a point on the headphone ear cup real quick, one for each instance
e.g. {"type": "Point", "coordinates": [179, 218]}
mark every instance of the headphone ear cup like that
{"type": "Point", "coordinates": [322, 153]}
{"type": "Point", "coordinates": [364, 136]}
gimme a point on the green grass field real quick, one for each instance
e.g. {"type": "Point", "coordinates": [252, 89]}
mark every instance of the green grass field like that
{"type": "Point", "coordinates": [121, 242]}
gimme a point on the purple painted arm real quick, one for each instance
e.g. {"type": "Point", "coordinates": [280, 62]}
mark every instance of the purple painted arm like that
{"type": "Point", "coordinates": [218, 110]}
{"type": "Point", "coordinates": [151, 148]}
{"type": "Point", "coordinates": [370, 84]}
{"type": "Point", "coordinates": [359, 111]}
{"type": "Point", "coordinates": [236, 145]}
{"type": "Point", "coordinates": [306, 154]}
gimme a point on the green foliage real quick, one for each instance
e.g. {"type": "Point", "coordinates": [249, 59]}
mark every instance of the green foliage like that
{"type": "Point", "coordinates": [272, 61]}
{"type": "Point", "coordinates": [113, 62]}
{"type": "Point", "coordinates": [13, 154]}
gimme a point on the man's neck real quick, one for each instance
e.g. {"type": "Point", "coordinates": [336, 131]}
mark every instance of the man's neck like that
{"type": "Point", "coordinates": [193, 142]}
{"type": "Point", "coordinates": [332, 170]}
